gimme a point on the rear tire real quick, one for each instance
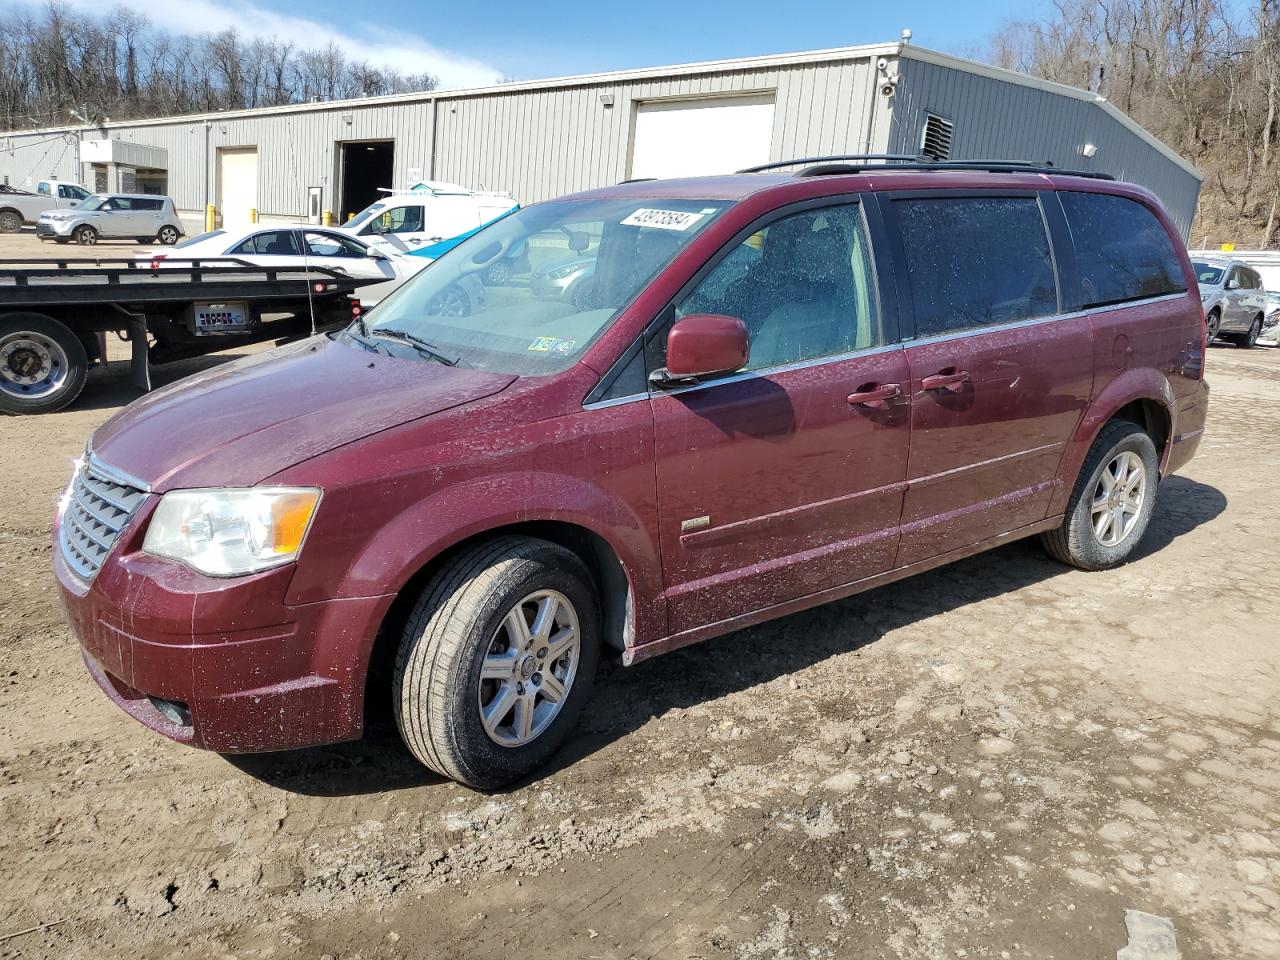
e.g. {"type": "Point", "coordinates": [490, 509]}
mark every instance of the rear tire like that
{"type": "Point", "coordinates": [1105, 523]}
{"type": "Point", "coordinates": [86, 236]}
{"type": "Point", "coordinates": [167, 236]}
{"type": "Point", "coordinates": [43, 365]}
{"type": "Point", "coordinates": [10, 221]}
{"type": "Point", "coordinates": [466, 678]}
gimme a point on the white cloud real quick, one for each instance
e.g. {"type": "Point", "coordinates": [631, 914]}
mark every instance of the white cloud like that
{"type": "Point", "coordinates": [379, 45]}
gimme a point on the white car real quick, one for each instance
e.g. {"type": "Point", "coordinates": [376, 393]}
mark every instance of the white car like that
{"type": "Point", "coordinates": [430, 219]}
{"type": "Point", "coordinates": [285, 248]}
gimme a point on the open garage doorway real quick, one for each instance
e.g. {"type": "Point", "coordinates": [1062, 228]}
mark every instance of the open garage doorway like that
{"type": "Point", "coordinates": [366, 166]}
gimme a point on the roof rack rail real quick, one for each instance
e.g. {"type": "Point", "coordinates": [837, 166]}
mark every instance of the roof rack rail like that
{"type": "Point", "coordinates": [838, 165]}
{"type": "Point", "coordinates": [886, 157]}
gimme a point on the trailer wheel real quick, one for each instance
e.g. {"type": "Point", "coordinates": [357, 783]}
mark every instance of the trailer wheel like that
{"type": "Point", "coordinates": [43, 365]}
{"type": "Point", "coordinates": [86, 236]}
{"type": "Point", "coordinates": [10, 221]}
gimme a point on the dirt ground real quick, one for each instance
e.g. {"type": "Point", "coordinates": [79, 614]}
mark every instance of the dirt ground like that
{"type": "Point", "coordinates": [996, 759]}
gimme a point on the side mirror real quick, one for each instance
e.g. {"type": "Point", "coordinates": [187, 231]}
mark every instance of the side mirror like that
{"type": "Point", "coordinates": [373, 254]}
{"type": "Point", "coordinates": [704, 344]}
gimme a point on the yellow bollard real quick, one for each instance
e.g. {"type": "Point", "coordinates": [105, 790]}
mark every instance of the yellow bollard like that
{"type": "Point", "coordinates": [253, 214]}
{"type": "Point", "coordinates": [327, 218]}
{"type": "Point", "coordinates": [210, 218]}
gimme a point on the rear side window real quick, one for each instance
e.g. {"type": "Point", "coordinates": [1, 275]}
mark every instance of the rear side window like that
{"type": "Point", "coordinates": [1122, 251]}
{"type": "Point", "coordinates": [976, 261]}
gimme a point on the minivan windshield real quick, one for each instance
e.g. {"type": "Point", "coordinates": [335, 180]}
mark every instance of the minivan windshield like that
{"type": "Point", "coordinates": [529, 293]}
{"type": "Point", "coordinates": [1207, 273]}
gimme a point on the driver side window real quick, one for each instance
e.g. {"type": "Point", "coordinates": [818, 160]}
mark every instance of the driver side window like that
{"type": "Point", "coordinates": [401, 220]}
{"type": "Point", "coordinates": [803, 286]}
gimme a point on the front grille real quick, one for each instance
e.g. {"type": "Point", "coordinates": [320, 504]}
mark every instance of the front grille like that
{"type": "Point", "coordinates": [98, 508]}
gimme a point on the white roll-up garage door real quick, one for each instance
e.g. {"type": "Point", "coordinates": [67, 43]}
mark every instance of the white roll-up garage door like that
{"type": "Point", "coordinates": [692, 138]}
{"type": "Point", "coordinates": [237, 185]}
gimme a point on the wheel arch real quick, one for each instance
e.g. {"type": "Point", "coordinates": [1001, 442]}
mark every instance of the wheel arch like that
{"type": "Point", "coordinates": [1142, 396]}
{"type": "Point", "coordinates": [613, 584]}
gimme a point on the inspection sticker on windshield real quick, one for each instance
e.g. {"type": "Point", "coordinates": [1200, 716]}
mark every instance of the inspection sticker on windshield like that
{"type": "Point", "coordinates": [553, 345]}
{"type": "Point", "coordinates": [662, 219]}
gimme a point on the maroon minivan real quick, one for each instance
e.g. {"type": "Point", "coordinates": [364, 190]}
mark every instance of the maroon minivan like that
{"type": "Point", "coordinates": [709, 402]}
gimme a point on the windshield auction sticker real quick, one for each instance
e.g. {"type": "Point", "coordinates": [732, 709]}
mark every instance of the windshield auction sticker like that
{"type": "Point", "coordinates": [662, 219]}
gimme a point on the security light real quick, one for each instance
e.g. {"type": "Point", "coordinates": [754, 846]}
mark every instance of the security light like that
{"type": "Point", "coordinates": [606, 99]}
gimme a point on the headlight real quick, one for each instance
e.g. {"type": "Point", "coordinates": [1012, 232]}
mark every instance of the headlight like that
{"type": "Point", "coordinates": [564, 273]}
{"type": "Point", "coordinates": [227, 533]}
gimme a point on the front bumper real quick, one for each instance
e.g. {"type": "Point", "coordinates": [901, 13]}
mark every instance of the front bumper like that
{"type": "Point", "coordinates": [250, 673]}
{"type": "Point", "coordinates": [46, 229]}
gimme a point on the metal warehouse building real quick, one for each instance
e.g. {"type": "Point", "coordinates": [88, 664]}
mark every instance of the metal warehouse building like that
{"type": "Point", "coordinates": [540, 139]}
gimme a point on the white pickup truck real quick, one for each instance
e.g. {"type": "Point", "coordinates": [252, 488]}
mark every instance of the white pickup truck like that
{"type": "Point", "coordinates": [18, 206]}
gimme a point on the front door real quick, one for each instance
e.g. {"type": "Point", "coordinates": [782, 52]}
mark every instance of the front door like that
{"type": "Point", "coordinates": [785, 479]}
{"type": "Point", "coordinates": [999, 376]}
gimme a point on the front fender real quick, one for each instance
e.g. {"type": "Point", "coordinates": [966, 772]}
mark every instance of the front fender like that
{"type": "Point", "coordinates": [390, 556]}
{"type": "Point", "coordinates": [1141, 383]}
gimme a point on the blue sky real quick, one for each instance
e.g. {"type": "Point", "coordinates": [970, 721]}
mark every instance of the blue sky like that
{"type": "Point", "coordinates": [472, 43]}
{"type": "Point", "coordinates": [528, 40]}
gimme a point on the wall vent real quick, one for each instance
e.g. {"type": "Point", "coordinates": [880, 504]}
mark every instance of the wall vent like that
{"type": "Point", "coordinates": [936, 144]}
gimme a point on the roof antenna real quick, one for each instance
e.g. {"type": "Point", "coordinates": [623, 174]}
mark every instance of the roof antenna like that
{"type": "Point", "coordinates": [906, 34]}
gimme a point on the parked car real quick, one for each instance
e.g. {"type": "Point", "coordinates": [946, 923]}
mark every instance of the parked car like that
{"type": "Point", "coordinates": [113, 216]}
{"type": "Point", "coordinates": [284, 247]}
{"type": "Point", "coordinates": [1235, 304]}
{"type": "Point", "coordinates": [433, 218]}
{"type": "Point", "coordinates": [18, 207]}
{"type": "Point", "coordinates": [783, 390]}
{"type": "Point", "coordinates": [1270, 335]}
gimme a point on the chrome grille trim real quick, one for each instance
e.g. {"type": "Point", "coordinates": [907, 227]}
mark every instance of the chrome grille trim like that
{"type": "Point", "coordinates": [100, 504]}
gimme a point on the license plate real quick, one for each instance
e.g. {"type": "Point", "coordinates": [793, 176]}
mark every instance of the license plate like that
{"type": "Point", "coordinates": [212, 319]}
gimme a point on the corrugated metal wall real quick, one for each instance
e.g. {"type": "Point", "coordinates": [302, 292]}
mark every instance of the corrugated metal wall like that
{"type": "Point", "coordinates": [540, 142]}
{"type": "Point", "coordinates": [537, 143]}
{"type": "Point", "coordinates": [997, 119]}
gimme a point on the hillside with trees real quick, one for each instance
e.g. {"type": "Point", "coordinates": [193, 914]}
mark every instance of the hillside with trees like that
{"type": "Point", "coordinates": [118, 66]}
{"type": "Point", "coordinates": [1195, 73]}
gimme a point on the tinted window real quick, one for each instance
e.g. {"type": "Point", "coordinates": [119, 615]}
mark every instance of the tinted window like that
{"type": "Point", "coordinates": [139, 204]}
{"type": "Point", "coordinates": [1122, 250]}
{"type": "Point", "coordinates": [272, 243]}
{"type": "Point", "coordinates": [803, 286]}
{"type": "Point", "coordinates": [976, 261]}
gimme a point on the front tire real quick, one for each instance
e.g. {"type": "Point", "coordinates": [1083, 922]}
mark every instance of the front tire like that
{"type": "Point", "coordinates": [86, 236]}
{"type": "Point", "coordinates": [1110, 507]}
{"type": "Point", "coordinates": [43, 365]}
{"type": "Point", "coordinates": [497, 661]}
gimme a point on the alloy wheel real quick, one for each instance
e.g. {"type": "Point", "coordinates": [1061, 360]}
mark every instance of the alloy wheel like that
{"type": "Point", "coordinates": [1118, 498]}
{"type": "Point", "coordinates": [529, 668]}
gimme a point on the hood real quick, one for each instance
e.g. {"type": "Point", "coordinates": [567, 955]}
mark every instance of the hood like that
{"type": "Point", "coordinates": [239, 423]}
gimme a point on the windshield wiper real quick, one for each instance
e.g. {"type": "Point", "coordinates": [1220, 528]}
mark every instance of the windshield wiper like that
{"type": "Point", "coordinates": [425, 347]}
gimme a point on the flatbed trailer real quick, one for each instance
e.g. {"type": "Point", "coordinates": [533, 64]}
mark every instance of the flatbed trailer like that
{"type": "Point", "coordinates": [55, 315]}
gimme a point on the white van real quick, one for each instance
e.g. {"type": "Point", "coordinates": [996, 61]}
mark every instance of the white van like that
{"type": "Point", "coordinates": [430, 218]}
